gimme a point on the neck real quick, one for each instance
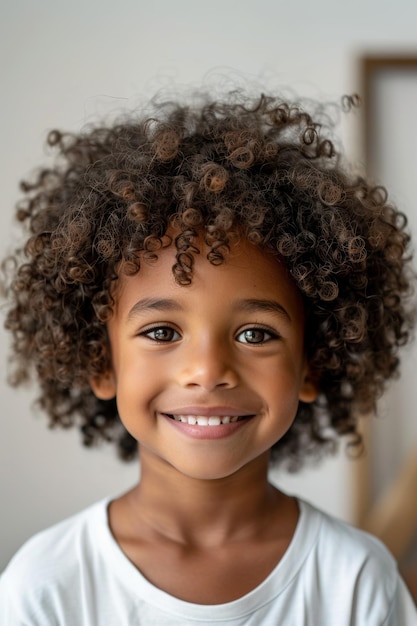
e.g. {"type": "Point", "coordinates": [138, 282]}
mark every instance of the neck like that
{"type": "Point", "coordinates": [204, 512]}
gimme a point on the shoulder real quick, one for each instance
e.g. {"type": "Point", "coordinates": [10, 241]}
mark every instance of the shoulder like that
{"type": "Point", "coordinates": [353, 569]}
{"type": "Point", "coordinates": [333, 533]}
{"type": "Point", "coordinates": [355, 549]}
{"type": "Point", "coordinates": [45, 549]}
{"type": "Point", "coordinates": [50, 558]}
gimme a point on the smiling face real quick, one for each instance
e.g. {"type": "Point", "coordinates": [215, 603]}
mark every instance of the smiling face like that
{"type": "Point", "coordinates": [208, 376]}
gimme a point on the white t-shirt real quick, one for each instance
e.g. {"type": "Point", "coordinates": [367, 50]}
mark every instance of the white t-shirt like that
{"type": "Point", "coordinates": [75, 574]}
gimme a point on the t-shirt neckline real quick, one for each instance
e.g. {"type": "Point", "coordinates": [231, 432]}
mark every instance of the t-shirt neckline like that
{"type": "Point", "coordinates": [134, 582]}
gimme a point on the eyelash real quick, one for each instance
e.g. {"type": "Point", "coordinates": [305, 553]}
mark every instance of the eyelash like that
{"type": "Point", "coordinates": [268, 335]}
{"type": "Point", "coordinates": [258, 329]}
{"type": "Point", "coordinates": [148, 331]}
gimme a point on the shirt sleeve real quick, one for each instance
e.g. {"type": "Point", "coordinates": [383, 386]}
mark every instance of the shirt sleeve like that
{"type": "Point", "coordinates": [9, 612]}
{"type": "Point", "coordinates": [403, 609]}
{"type": "Point", "coordinates": [22, 607]}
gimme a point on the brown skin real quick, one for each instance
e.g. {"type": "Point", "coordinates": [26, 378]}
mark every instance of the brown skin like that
{"type": "Point", "coordinates": [206, 542]}
{"type": "Point", "coordinates": [204, 524]}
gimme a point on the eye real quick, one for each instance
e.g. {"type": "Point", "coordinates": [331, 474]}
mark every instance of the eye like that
{"type": "Point", "coordinates": [256, 336]}
{"type": "Point", "coordinates": [161, 334]}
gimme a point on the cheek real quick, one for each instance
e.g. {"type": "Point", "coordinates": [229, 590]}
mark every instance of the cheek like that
{"type": "Point", "coordinates": [138, 381]}
{"type": "Point", "coordinates": [280, 374]}
{"type": "Point", "coordinates": [139, 378]}
{"type": "Point", "coordinates": [280, 387]}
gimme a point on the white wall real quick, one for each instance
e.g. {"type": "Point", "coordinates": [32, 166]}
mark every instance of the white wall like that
{"type": "Point", "coordinates": [64, 63]}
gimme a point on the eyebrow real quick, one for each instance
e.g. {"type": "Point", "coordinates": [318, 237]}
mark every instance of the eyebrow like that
{"type": "Point", "coordinates": [149, 304]}
{"type": "Point", "coordinates": [250, 305]}
{"type": "Point", "coordinates": [253, 305]}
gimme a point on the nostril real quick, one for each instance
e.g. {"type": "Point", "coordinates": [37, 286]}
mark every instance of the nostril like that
{"type": "Point", "coordinates": [209, 380]}
{"type": "Point", "coordinates": [207, 365]}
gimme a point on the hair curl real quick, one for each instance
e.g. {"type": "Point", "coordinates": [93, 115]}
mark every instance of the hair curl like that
{"type": "Point", "coordinates": [260, 168]}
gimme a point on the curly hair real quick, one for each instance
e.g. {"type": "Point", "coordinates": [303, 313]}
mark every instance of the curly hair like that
{"type": "Point", "coordinates": [259, 168]}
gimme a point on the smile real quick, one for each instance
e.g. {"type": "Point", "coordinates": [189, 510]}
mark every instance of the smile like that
{"type": "Point", "coordinates": [202, 420]}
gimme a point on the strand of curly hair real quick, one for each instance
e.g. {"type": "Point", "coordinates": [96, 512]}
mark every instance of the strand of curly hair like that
{"type": "Point", "coordinates": [258, 169]}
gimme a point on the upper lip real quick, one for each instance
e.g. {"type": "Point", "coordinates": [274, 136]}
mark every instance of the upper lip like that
{"type": "Point", "coordinates": [209, 411]}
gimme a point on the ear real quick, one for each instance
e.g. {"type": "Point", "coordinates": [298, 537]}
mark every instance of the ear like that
{"type": "Point", "coordinates": [309, 389]}
{"type": "Point", "coordinates": [104, 386]}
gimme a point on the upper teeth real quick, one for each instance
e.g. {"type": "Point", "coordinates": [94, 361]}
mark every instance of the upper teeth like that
{"type": "Point", "coordinates": [202, 420]}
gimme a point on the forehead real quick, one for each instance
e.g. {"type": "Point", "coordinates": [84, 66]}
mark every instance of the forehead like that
{"type": "Point", "coordinates": [247, 272]}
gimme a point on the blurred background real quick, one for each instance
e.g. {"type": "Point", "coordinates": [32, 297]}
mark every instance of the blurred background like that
{"type": "Point", "coordinates": [66, 64]}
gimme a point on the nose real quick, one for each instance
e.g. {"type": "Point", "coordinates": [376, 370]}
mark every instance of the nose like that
{"type": "Point", "coordinates": [208, 363]}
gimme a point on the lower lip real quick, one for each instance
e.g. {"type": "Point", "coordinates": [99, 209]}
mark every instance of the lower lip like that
{"type": "Point", "coordinates": [207, 432]}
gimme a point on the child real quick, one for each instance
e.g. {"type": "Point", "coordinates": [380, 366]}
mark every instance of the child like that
{"type": "Point", "coordinates": [213, 276]}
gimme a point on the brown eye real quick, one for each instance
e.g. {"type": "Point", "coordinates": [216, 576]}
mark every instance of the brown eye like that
{"type": "Point", "coordinates": [161, 334]}
{"type": "Point", "coordinates": [255, 336]}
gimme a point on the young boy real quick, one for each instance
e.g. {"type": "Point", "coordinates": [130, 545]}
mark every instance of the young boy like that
{"type": "Point", "coordinates": [210, 284]}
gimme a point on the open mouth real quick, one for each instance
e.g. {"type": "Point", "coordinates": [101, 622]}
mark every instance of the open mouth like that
{"type": "Point", "coordinates": [202, 420]}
